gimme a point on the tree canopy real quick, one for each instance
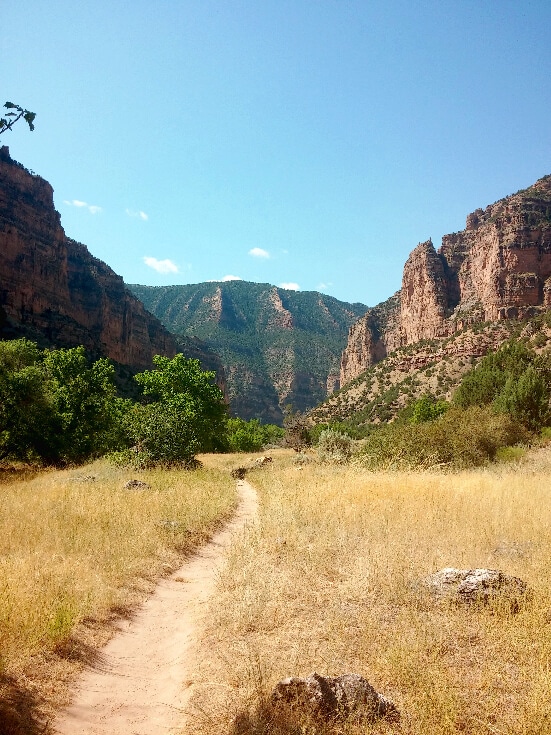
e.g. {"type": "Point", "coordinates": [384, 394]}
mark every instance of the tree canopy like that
{"type": "Point", "coordinates": [58, 406]}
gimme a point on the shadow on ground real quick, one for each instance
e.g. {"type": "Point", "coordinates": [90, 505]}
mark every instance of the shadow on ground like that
{"type": "Point", "coordinates": [25, 712]}
{"type": "Point", "coordinates": [19, 710]}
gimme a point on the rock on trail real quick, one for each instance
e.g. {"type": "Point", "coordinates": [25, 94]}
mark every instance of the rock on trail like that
{"type": "Point", "coordinates": [144, 680]}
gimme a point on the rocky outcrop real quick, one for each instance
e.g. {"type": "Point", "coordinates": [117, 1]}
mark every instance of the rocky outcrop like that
{"type": "Point", "coordinates": [53, 290]}
{"type": "Point", "coordinates": [497, 268]}
{"type": "Point", "coordinates": [371, 339]}
{"type": "Point", "coordinates": [424, 296]}
{"type": "Point", "coordinates": [476, 586]}
{"type": "Point", "coordinates": [326, 698]}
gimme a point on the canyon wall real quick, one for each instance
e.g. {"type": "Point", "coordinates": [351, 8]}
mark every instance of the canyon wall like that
{"type": "Point", "coordinates": [278, 347]}
{"type": "Point", "coordinates": [53, 291]}
{"type": "Point", "coordinates": [497, 268]}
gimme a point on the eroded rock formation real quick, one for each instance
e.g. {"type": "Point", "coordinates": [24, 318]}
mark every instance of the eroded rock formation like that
{"type": "Point", "coordinates": [497, 268]}
{"type": "Point", "coordinates": [53, 291]}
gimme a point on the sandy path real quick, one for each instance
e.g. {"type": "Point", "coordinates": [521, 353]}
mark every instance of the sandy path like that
{"type": "Point", "coordinates": [144, 680]}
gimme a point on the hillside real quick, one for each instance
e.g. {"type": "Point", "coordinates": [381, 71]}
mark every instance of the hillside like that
{"type": "Point", "coordinates": [484, 284]}
{"type": "Point", "coordinates": [278, 347]}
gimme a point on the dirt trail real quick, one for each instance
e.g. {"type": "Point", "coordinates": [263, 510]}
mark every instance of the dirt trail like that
{"type": "Point", "coordinates": [144, 680]}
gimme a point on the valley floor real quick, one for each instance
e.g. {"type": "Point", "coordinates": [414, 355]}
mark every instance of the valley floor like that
{"type": "Point", "coordinates": [327, 579]}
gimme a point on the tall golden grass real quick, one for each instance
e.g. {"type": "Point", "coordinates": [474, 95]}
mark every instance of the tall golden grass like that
{"type": "Point", "coordinates": [77, 549]}
{"type": "Point", "coordinates": [328, 580]}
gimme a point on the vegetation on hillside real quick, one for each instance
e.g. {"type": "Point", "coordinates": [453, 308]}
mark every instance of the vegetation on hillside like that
{"type": "Point", "coordinates": [267, 364]}
{"type": "Point", "coordinates": [450, 412]}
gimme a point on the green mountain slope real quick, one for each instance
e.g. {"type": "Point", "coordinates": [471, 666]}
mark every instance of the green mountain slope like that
{"type": "Point", "coordinates": [278, 347]}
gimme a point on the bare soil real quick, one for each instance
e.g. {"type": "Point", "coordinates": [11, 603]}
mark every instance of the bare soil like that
{"type": "Point", "coordinates": [144, 677]}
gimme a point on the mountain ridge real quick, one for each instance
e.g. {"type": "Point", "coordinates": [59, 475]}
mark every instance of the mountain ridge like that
{"type": "Point", "coordinates": [277, 346]}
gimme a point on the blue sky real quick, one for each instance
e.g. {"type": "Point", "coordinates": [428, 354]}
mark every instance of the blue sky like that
{"type": "Point", "coordinates": [307, 143]}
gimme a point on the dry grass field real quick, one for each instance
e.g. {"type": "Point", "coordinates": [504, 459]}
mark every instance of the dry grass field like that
{"type": "Point", "coordinates": [328, 581]}
{"type": "Point", "coordinates": [78, 549]}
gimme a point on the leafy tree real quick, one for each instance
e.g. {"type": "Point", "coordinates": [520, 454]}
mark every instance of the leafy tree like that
{"type": "Point", "coordinates": [14, 115]}
{"type": "Point", "coordinates": [428, 408]}
{"type": "Point", "coordinates": [55, 406]}
{"type": "Point", "coordinates": [184, 412]}
{"type": "Point", "coordinates": [272, 433]}
{"type": "Point", "coordinates": [251, 436]}
{"type": "Point", "coordinates": [89, 414]}
{"type": "Point", "coordinates": [245, 436]}
{"type": "Point", "coordinates": [27, 413]}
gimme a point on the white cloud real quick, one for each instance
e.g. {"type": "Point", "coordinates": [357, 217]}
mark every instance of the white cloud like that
{"type": "Point", "coordinates": [92, 208]}
{"type": "Point", "coordinates": [259, 253]}
{"type": "Point", "coordinates": [290, 286]}
{"type": "Point", "coordinates": [161, 266]}
{"type": "Point", "coordinates": [139, 214]}
{"type": "Point", "coordinates": [323, 286]}
{"type": "Point", "coordinates": [224, 279]}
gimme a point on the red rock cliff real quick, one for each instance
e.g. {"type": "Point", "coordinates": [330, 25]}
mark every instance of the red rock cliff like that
{"type": "Point", "coordinates": [498, 267]}
{"type": "Point", "coordinates": [53, 290]}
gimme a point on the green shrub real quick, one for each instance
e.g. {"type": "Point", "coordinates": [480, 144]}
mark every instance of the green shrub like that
{"type": "Point", "coordinates": [428, 408]}
{"type": "Point", "coordinates": [526, 399]}
{"type": "Point", "coordinates": [461, 438]}
{"type": "Point", "coordinates": [514, 380]}
{"type": "Point", "coordinates": [335, 447]}
{"type": "Point", "coordinates": [510, 454]}
{"type": "Point", "coordinates": [251, 436]}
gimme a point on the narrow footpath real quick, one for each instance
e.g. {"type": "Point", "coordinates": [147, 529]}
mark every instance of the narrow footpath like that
{"type": "Point", "coordinates": [145, 679]}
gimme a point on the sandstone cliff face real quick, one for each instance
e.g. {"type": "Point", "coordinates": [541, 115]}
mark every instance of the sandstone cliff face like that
{"type": "Point", "coordinates": [498, 268]}
{"type": "Point", "coordinates": [52, 289]}
{"type": "Point", "coordinates": [371, 339]}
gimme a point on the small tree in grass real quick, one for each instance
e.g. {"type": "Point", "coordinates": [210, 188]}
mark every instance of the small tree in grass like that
{"type": "Point", "coordinates": [183, 413]}
{"type": "Point", "coordinates": [297, 434]}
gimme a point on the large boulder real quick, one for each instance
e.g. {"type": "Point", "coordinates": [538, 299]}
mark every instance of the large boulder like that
{"type": "Point", "coordinates": [476, 586]}
{"type": "Point", "coordinates": [328, 698]}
